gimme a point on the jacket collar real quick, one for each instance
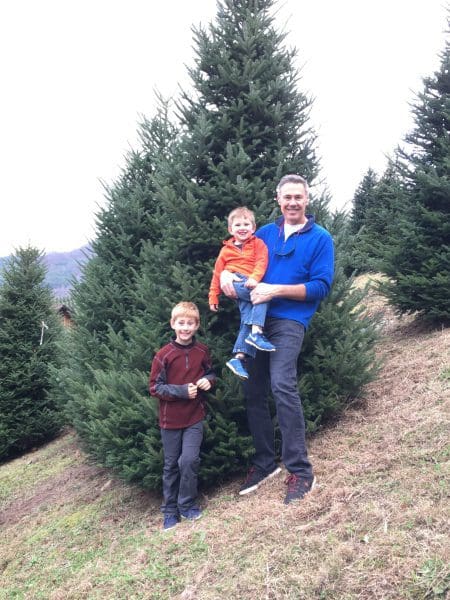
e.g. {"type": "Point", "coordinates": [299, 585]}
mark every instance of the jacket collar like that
{"type": "Point", "coordinates": [310, 220]}
{"type": "Point", "coordinates": [183, 346]}
{"type": "Point", "coordinates": [230, 241]}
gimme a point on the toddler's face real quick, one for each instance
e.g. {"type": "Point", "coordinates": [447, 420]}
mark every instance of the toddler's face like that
{"type": "Point", "coordinates": [242, 229]}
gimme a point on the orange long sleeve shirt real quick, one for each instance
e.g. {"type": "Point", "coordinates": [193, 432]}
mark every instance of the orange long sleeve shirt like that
{"type": "Point", "coordinates": [250, 259]}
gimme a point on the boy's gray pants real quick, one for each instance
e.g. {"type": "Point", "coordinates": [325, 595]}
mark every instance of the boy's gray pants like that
{"type": "Point", "coordinates": [181, 464]}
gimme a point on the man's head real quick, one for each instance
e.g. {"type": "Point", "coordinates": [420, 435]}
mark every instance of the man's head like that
{"type": "Point", "coordinates": [293, 198]}
{"type": "Point", "coordinates": [241, 223]}
{"type": "Point", "coordinates": [185, 321]}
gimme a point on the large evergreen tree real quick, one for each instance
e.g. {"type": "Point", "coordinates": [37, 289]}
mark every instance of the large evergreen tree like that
{"type": "Point", "coordinates": [418, 263]}
{"type": "Point", "coordinates": [244, 125]}
{"type": "Point", "coordinates": [103, 300]}
{"type": "Point", "coordinates": [29, 330]}
{"type": "Point", "coordinates": [378, 206]}
{"type": "Point", "coordinates": [363, 199]}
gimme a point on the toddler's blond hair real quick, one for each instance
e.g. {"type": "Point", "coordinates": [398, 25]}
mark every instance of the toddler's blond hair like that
{"type": "Point", "coordinates": [241, 211]}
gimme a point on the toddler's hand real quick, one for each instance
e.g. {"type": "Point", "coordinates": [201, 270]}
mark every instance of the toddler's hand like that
{"type": "Point", "coordinates": [192, 391]}
{"type": "Point", "coordinates": [251, 283]}
{"type": "Point", "coordinates": [214, 307]}
{"type": "Point", "coordinates": [204, 384]}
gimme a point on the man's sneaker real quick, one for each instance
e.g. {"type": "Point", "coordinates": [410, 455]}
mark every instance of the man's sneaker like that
{"type": "Point", "coordinates": [170, 521]}
{"type": "Point", "coordinates": [235, 365]}
{"type": "Point", "coordinates": [298, 487]}
{"type": "Point", "coordinates": [192, 514]}
{"type": "Point", "coordinates": [255, 478]}
{"type": "Point", "coordinates": [260, 342]}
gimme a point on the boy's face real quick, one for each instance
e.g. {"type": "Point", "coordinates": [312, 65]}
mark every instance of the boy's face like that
{"type": "Point", "coordinates": [185, 328]}
{"type": "Point", "coordinates": [242, 229]}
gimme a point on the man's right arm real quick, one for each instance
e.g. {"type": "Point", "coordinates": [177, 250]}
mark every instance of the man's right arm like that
{"type": "Point", "coordinates": [321, 277]}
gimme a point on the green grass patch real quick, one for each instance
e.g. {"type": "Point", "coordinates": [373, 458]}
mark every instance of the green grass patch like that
{"type": "Point", "coordinates": [431, 581]}
{"type": "Point", "coordinates": [23, 474]}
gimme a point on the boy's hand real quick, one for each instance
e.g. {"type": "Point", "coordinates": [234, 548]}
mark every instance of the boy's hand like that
{"type": "Point", "coordinates": [214, 307]}
{"type": "Point", "coordinates": [251, 283]}
{"type": "Point", "coordinates": [192, 391]}
{"type": "Point", "coordinates": [204, 384]}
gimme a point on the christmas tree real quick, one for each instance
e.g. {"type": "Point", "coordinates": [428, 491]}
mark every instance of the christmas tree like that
{"type": "Point", "coordinates": [29, 330]}
{"type": "Point", "coordinates": [243, 126]}
{"type": "Point", "coordinates": [378, 205]}
{"type": "Point", "coordinates": [418, 260]}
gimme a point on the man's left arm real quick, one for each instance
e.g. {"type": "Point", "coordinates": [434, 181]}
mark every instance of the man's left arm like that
{"type": "Point", "coordinates": [321, 271]}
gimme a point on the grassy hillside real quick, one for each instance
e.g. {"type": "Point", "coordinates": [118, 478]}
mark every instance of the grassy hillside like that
{"type": "Point", "coordinates": [375, 527]}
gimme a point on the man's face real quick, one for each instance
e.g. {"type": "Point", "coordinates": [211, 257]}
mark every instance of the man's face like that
{"type": "Point", "coordinates": [185, 328]}
{"type": "Point", "coordinates": [242, 229]}
{"type": "Point", "coordinates": [293, 201]}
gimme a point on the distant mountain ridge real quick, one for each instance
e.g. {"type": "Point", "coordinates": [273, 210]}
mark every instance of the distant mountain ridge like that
{"type": "Point", "coordinates": [62, 269]}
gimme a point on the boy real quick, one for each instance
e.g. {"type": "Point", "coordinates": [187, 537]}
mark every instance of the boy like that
{"type": "Point", "coordinates": [246, 256]}
{"type": "Point", "coordinates": [180, 375]}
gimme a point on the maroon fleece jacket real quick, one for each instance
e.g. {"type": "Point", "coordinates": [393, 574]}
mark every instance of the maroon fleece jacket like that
{"type": "Point", "coordinates": [173, 368]}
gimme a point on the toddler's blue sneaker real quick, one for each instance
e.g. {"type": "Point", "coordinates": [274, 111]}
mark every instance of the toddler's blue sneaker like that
{"type": "Point", "coordinates": [192, 514]}
{"type": "Point", "coordinates": [258, 341]}
{"type": "Point", "coordinates": [170, 521]}
{"type": "Point", "coordinates": [235, 365]}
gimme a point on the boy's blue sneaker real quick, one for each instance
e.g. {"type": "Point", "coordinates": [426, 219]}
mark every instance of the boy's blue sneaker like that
{"type": "Point", "coordinates": [170, 521]}
{"type": "Point", "coordinates": [192, 514]}
{"type": "Point", "coordinates": [235, 365]}
{"type": "Point", "coordinates": [258, 341]}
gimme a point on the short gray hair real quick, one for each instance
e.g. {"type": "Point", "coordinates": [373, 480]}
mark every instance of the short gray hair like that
{"type": "Point", "coordinates": [292, 178]}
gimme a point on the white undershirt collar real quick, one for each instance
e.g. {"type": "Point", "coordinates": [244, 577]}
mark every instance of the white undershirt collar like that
{"type": "Point", "coordinates": [290, 229]}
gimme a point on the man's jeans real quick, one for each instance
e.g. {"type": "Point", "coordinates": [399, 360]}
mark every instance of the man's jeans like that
{"type": "Point", "coordinates": [181, 464]}
{"type": "Point", "coordinates": [277, 370]}
{"type": "Point", "coordinates": [250, 315]}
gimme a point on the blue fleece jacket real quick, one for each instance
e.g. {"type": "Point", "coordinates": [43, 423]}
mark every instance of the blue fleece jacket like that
{"type": "Point", "coordinates": [305, 257]}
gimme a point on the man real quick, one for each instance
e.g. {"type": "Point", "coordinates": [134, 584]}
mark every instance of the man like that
{"type": "Point", "coordinates": [298, 277]}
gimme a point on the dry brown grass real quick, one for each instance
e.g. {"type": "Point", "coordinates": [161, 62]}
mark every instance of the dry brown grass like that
{"type": "Point", "coordinates": [375, 527]}
{"type": "Point", "coordinates": [380, 510]}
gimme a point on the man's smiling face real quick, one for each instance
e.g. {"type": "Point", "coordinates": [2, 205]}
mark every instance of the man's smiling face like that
{"type": "Point", "coordinates": [293, 200]}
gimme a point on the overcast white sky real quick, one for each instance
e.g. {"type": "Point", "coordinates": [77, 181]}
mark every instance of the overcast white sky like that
{"type": "Point", "coordinates": [77, 74]}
